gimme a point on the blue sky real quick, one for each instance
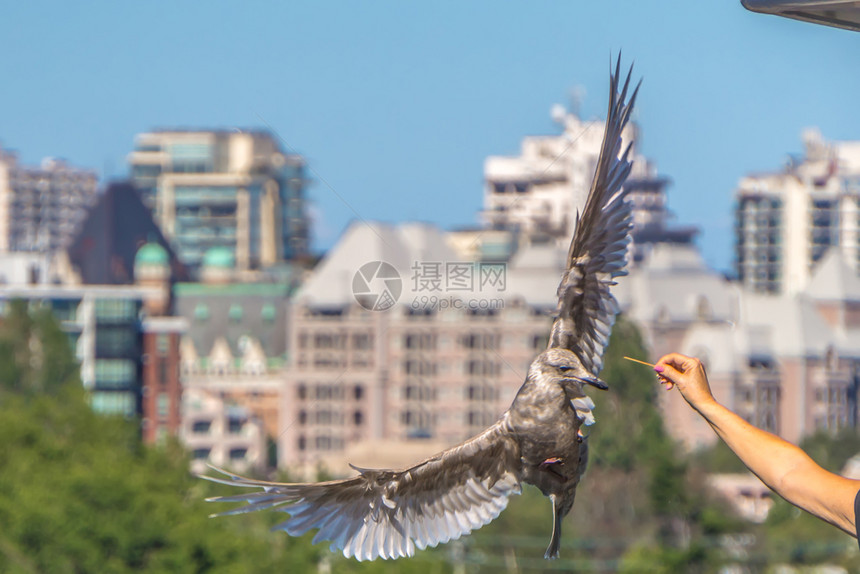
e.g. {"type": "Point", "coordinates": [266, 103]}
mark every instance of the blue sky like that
{"type": "Point", "coordinates": [396, 104]}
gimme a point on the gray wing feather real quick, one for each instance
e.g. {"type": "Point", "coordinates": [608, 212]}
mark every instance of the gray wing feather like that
{"type": "Point", "coordinates": [390, 513]}
{"type": "Point", "coordinates": [598, 251]}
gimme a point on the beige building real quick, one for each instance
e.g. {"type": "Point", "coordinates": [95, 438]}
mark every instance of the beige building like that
{"type": "Point", "coordinates": [440, 358]}
{"type": "Point", "coordinates": [217, 432]}
{"type": "Point", "coordinates": [786, 363]}
{"type": "Point", "coordinates": [231, 357]}
{"type": "Point", "coordinates": [440, 366]}
{"type": "Point", "coordinates": [228, 189]}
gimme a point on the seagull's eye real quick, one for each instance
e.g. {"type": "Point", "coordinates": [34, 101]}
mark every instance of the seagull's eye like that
{"type": "Point", "coordinates": [564, 369]}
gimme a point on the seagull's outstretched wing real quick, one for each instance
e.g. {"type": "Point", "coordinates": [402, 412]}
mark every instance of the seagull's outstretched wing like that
{"type": "Point", "coordinates": [389, 513]}
{"type": "Point", "coordinates": [598, 252]}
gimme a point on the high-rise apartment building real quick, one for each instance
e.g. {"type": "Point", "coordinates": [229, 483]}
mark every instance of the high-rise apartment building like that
{"type": "Point", "coordinates": [42, 206]}
{"type": "Point", "coordinates": [227, 189]}
{"type": "Point", "coordinates": [786, 221]}
{"type": "Point", "coordinates": [538, 192]}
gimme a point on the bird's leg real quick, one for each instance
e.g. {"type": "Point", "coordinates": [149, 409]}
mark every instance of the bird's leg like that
{"type": "Point", "coordinates": [555, 540]}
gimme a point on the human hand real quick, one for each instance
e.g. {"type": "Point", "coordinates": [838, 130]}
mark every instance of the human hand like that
{"type": "Point", "coordinates": [688, 374]}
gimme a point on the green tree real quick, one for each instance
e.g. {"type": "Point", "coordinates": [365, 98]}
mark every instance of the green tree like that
{"type": "Point", "coordinates": [80, 493]}
{"type": "Point", "coordinates": [36, 354]}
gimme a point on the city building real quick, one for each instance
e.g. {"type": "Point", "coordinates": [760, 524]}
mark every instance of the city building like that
{"type": "Point", "coordinates": [129, 356]}
{"type": "Point", "coordinates": [538, 193]}
{"type": "Point", "coordinates": [652, 220]}
{"type": "Point", "coordinates": [789, 364]}
{"type": "Point", "coordinates": [42, 206]}
{"type": "Point", "coordinates": [110, 289]}
{"type": "Point", "coordinates": [217, 432]}
{"type": "Point", "coordinates": [394, 338]}
{"type": "Point", "coordinates": [235, 347]}
{"type": "Point", "coordinates": [224, 188]}
{"type": "Point", "coordinates": [27, 268]}
{"type": "Point", "coordinates": [786, 221]}
{"type": "Point", "coordinates": [105, 248]}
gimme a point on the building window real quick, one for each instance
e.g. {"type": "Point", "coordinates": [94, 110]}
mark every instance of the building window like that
{"type": "Point", "coordinates": [235, 313]}
{"type": "Point", "coordinates": [234, 425]}
{"type": "Point", "coordinates": [116, 340]}
{"type": "Point", "coordinates": [115, 373]}
{"type": "Point", "coordinates": [163, 404]}
{"type": "Point", "coordinates": [200, 453]}
{"type": "Point", "coordinates": [115, 310]}
{"type": "Point", "coordinates": [362, 342]}
{"type": "Point", "coordinates": [358, 392]}
{"type": "Point", "coordinates": [238, 453]}
{"type": "Point", "coordinates": [269, 313]}
{"type": "Point", "coordinates": [302, 443]}
{"type": "Point", "coordinates": [201, 312]}
{"type": "Point", "coordinates": [201, 427]}
{"type": "Point", "coordinates": [162, 343]}
{"type": "Point", "coordinates": [114, 403]}
{"type": "Point", "coordinates": [162, 372]}
{"type": "Point", "coordinates": [357, 418]}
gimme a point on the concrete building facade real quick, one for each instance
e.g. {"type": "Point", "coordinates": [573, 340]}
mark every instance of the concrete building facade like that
{"type": "Point", "coordinates": [220, 433]}
{"type": "Point", "coordinates": [537, 193]}
{"type": "Point", "coordinates": [236, 190]}
{"type": "Point", "coordinates": [787, 363]}
{"type": "Point", "coordinates": [437, 365]}
{"type": "Point", "coordinates": [235, 347]}
{"type": "Point", "coordinates": [42, 206]}
{"type": "Point", "coordinates": [786, 221]}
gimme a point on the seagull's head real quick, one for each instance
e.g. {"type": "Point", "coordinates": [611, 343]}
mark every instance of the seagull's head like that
{"type": "Point", "coordinates": [564, 367]}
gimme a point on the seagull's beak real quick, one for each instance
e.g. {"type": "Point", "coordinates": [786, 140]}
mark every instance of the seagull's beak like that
{"type": "Point", "coordinates": [593, 381]}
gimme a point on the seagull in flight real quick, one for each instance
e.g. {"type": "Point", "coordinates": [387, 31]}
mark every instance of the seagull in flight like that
{"type": "Point", "coordinates": [538, 440]}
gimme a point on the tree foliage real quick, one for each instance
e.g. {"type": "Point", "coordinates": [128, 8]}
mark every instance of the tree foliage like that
{"type": "Point", "coordinates": [80, 493]}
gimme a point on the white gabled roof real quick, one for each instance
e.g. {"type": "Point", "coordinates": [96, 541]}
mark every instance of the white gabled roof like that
{"type": "Point", "coordinates": [534, 274]}
{"type": "Point", "coordinates": [402, 246]}
{"type": "Point", "coordinates": [675, 286]}
{"type": "Point", "coordinates": [786, 325]}
{"type": "Point", "coordinates": [833, 280]}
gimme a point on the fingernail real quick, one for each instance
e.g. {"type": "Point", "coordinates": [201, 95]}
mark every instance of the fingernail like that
{"type": "Point", "coordinates": [659, 368]}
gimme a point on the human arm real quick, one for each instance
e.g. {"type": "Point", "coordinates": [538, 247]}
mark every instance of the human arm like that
{"type": "Point", "coordinates": [782, 466]}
